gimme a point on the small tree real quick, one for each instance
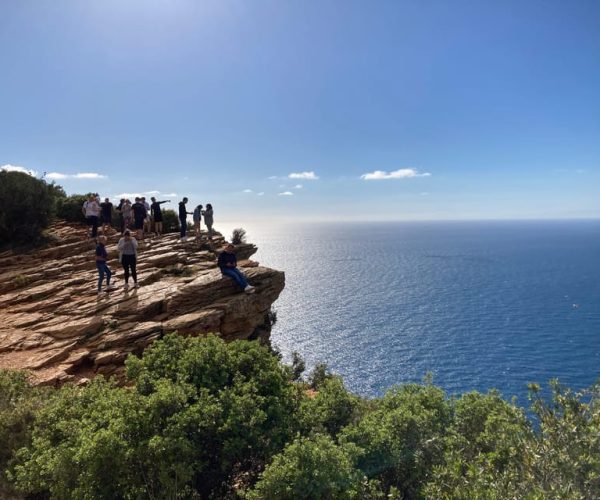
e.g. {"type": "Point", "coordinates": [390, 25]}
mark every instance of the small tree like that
{"type": "Point", "coordinates": [170, 221]}
{"type": "Point", "coordinates": [69, 207]}
{"type": "Point", "coordinates": [238, 236]}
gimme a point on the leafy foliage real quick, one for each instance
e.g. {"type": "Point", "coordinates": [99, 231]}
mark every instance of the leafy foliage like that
{"type": "Point", "coordinates": [18, 404]}
{"type": "Point", "coordinates": [312, 467]}
{"type": "Point", "coordinates": [27, 205]}
{"type": "Point", "coordinates": [204, 419]}
{"type": "Point", "coordinates": [69, 207]}
{"type": "Point", "coordinates": [170, 221]}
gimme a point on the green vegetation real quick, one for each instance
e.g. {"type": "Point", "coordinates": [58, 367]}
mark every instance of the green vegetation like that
{"type": "Point", "coordinates": [27, 206]}
{"type": "Point", "coordinates": [204, 419]}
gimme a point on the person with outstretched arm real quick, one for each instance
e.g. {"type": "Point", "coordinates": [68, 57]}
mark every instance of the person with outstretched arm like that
{"type": "Point", "coordinates": [227, 262]}
{"type": "Point", "coordinates": [156, 212]}
{"type": "Point", "coordinates": [102, 266]}
{"type": "Point", "coordinates": [183, 213]}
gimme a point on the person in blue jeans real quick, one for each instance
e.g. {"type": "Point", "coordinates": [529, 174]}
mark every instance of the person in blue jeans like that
{"type": "Point", "coordinates": [101, 265]}
{"type": "Point", "coordinates": [228, 264]}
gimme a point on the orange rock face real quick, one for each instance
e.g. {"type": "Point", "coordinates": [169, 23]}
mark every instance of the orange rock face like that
{"type": "Point", "coordinates": [53, 322]}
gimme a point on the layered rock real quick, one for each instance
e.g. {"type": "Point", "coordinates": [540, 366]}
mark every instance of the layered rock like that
{"type": "Point", "coordinates": [53, 323]}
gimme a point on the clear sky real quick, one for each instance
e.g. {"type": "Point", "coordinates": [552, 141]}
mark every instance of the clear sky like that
{"type": "Point", "coordinates": [397, 109]}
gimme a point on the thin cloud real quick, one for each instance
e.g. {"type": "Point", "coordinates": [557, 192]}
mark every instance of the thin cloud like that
{"type": "Point", "coordinates": [403, 173]}
{"type": "Point", "coordinates": [286, 193]}
{"type": "Point", "coordinates": [309, 176]}
{"type": "Point", "coordinates": [247, 190]}
{"type": "Point", "coordinates": [152, 192]}
{"type": "Point", "coordinates": [260, 194]}
{"type": "Point", "coordinates": [272, 177]}
{"type": "Point", "coordinates": [83, 175]}
{"type": "Point", "coordinates": [298, 186]}
{"type": "Point", "coordinates": [16, 168]}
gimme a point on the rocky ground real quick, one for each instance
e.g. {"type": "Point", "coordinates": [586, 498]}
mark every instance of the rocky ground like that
{"type": "Point", "coordinates": [53, 322]}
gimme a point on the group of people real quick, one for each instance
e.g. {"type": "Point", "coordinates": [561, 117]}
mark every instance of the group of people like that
{"type": "Point", "coordinates": [142, 217]}
{"type": "Point", "coordinates": [128, 251]}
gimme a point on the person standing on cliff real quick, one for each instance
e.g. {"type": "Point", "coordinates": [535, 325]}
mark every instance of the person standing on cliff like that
{"type": "Point", "coordinates": [147, 219]}
{"type": "Point", "coordinates": [156, 212]}
{"type": "Point", "coordinates": [127, 247]}
{"type": "Point", "coordinates": [139, 216]}
{"type": "Point", "coordinates": [106, 208]}
{"type": "Point", "coordinates": [102, 266]}
{"type": "Point", "coordinates": [183, 213]}
{"type": "Point", "coordinates": [197, 219]}
{"type": "Point", "coordinates": [90, 211]}
{"type": "Point", "coordinates": [121, 219]}
{"type": "Point", "coordinates": [208, 219]}
{"type": "Point", "coordinates": [227, 262]}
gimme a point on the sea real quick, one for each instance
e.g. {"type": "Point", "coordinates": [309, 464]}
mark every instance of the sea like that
{"type": "Point", "coordinates": [477, 305]}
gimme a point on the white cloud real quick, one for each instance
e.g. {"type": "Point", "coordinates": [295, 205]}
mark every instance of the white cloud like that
{"type": "Point", "coordinates": [152, 192]}
{"type": "Point", "coordinates": [83, 175]}
{"type": "Point", "coordinates": [286, 193]}
{"type": "Point", "coordinates": [273, 177]}
{"type": "Point", "coordinates": [128, 195]}
{"type": "Point", "coordinates": [15, 168]}
{"type": "Point", "coordinates": [403, 173]}
{"type": "Point", "coordinates": [298, 186]}
{"type": "Point", "coordinates": [260, 194]}
{"type": "Point", "coordinates": [247, 190]}
{"type": "Point", "coordinates": [309, 176]}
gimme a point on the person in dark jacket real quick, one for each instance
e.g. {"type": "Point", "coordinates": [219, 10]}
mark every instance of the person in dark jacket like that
{"type": "Point", "coordinates": [101, 265]}
{"type": "Point", "coordinates": [227, 262]}
{"type": "Point", "coordinates": [139, 215]}
{"type": "Point", "coordinates": [183, 213]}
{"type": "Point", "coordinates": [157, 217]}
{"type": "Point", "coordinates": [106, 207]}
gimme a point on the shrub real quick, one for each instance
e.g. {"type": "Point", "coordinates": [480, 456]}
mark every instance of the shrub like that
{"type": "Point", "coordinates": [18, 403]}
{"type": "Point", "coordinates": [170, 221]}
{"type": "Point", "coordinates": [238, 236]}
{"type": "Point", "coordinates": [69, 208]}
{"type": "Point", "coordinates": [312, 468]}
{"type": "Point", "coordinates": [330, 409]}
{"type": "Point", "coordinates": [27, 206]}
{"type": "Point", "coordinates": [401, 439]}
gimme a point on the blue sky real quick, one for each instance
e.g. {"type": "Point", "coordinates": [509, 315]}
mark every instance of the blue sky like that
{"type": "Point", "coordinates": [386, 110]}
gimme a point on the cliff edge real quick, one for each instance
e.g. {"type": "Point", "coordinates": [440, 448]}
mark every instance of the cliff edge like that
{"type": "Point", "coordinates": [53, 323]}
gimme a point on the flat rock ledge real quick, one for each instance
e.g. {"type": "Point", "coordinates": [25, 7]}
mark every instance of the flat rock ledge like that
{"type": "Point", "coordinates": [53, 323]}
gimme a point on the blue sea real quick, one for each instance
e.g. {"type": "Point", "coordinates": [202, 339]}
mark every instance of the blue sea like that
{"type": "Point", "coordinates": [478, 305]}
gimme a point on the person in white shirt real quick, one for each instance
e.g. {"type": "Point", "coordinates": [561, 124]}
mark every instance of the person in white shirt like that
{"type": "Point", "coordinates": [91, 211]}
{"type": "Point", "coordinates": [127, 248]}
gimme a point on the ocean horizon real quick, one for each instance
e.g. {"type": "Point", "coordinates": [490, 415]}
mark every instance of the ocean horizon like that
{"type": "Point", "coordinates": [476, 304]}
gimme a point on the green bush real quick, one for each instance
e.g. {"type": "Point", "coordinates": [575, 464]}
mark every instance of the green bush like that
{"type": "Point", "coordinates": [18, 404]}
{"type": "Point", "coordinates": [27, 206]}
{"type": "Point", "coordinates": [200, 418]}
{"type": "Point", "coordinates": [170, 221]}
{"type": "Point", "coordinates": [69, 208]}
{"type": "Point", "coordinates": [312, 468]}
{"type": "Point", "coordinates": [401, 439]}
{"type": "Point", "coordinates": [203, 417]}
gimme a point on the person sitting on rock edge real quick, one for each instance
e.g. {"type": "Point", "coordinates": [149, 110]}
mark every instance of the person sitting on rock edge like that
{"type": "Point", "coordinates": [102, 266]}
{"type": "Point", "coordinates": [228, 264]}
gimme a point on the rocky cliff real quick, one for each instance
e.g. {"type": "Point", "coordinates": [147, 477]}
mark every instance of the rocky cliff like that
{"type": "Point", "coordinates": [53, 323]}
